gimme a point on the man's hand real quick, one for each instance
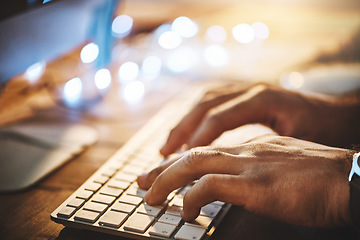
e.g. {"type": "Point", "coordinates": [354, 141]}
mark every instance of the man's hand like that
{"type": "Point", "coordinates": [287, 179]}
{"type": "Point", "coordinates": [323, 120]}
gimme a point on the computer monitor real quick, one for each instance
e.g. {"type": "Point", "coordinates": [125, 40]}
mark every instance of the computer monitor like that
{"type": "Point", "coordinates": [33, 31]}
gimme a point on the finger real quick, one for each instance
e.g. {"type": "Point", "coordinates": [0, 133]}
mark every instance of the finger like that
{"type": "Point", "coordinates": [247, 108]}
{"type": "Point", "coordinates": [210, 188]}
{"type": "Point", "coordinates": [184, 130]}
{"type": "Point", "coordinates": [193, 165]}
{"type": "Point", "coordinates": [146, 180]}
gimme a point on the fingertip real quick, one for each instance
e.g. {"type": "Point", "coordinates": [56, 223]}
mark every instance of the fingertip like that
{"type": "Point", "coordinates": [142, 181]}
{"type": "Point", "coordinates": [148, 196]}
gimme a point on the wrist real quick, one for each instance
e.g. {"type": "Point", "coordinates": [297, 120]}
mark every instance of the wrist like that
{"type": "Point", "coordinates": [354, 182]}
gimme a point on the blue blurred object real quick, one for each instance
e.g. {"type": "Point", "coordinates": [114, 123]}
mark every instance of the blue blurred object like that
{"type": "Point", "coordinates": [48, 31]}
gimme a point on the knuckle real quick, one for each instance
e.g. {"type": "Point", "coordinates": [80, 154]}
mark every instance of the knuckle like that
{"type": "Point", "coordinates": [192, 158]}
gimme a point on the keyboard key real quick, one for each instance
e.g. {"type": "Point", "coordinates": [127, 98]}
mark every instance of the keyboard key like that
{"type": "Point", "coordinates": [126, 176]}
{"type": "Point", "coordinates": [190, 232]}
{"type": "Point", "coordinates": [133, 170]}
{"type": "Point", "coordinates": [84, 194]}
{"type": "Point", "coordinates": [115, 183]}
{"type": "Point", "coordinates": [177, 201]}
{"type": "Point", "coordinates": [162, 229]}
{"type": "Point", "coordinates": [101, 179]}
{"type": "Point", "coordinates": [86, 216]}
{"type": "Point", "coordinates": [76, 203]}
{"type": "Point", "coordinates": [113, 219]}
{"type": "Point", "coordinates": [175, 210]}
{"type": "Point", "coordinates": [150, 210]}
{"type": "Point", "coordinates": [218, 203]}
{"type": "Point", "coordinates": [170, 219]}
{"type": "Point", "coordinates": [123, 207]}
{"type": "Point", "coordinates": [203, 221]}
{"type": "Point", "coordinates": [101, 198]}
{"type": "Point", "coordinates": [138, 222]}
{"type": "Point", "coordinates": [134, 191]}
{"type": "Point", "coordinates": [106, 190]}
{"type": "Point", "coordinates": [93, 186]}
{"type": "Point", "coordinates": [96, 207]}
{"type": "Point", "coordinates": [66, 212]}
{"type": "Point", "coordinates": [108, 172]}
{"type": "Point", "coordinates": [210, 210]}
{"type": "Point", "coordinates": [134, 200]}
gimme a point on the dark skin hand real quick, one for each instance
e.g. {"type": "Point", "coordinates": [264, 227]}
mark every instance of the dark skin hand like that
{"type": "Point", "coordinates": [295, 181]}
{"type": "Point", "coordinates": [287, 179]}
{"type": "Point", "coordinates": [288, 113]}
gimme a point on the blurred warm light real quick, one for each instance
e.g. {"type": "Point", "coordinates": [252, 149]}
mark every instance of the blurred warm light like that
{"type": "Point", "coordinates": [128, 71]}
{"type": "Point", "coordinates": [133, 92]}
{"type": "Point", "coordinates": [216, 55]}
{"type": "Point", "coordinates": [72, 92]}
{"type": "Point", "coordinates": [243, 33]}
{"type": "Point", "coordinates": [184, 27]}
{"type": "Point", "coordinates": [261, 30]}
{"type": "Point", "coordinates": [182, 59]}
{"type": "Point", "coordinates": [216, 33]}
{"type": "Point", "coordinates": [35, 71]}
{"type": "Point", "coordinates": [169, 40]}
{"type": "Point", "coordinates": [293, 80]}
{"type": "Point", "coordinates": [89, 53]}
{"type": "Point", "coordinates": [102, 79]}
{"type": "Point", "coordinates": [151, 66]}
{"type": "Point", "coordinates": [122, 25]}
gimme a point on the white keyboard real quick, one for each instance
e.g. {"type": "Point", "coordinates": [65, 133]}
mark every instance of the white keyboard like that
{"type": "Point", "coordinates": [111, 202]}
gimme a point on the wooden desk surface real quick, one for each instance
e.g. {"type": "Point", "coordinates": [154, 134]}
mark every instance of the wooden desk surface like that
{"type": "Point", "coordinates": [26, 214]}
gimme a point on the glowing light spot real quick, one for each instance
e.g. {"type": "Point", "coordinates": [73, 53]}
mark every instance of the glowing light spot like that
{"type": "Point", "coordinates": [261, 30]}
{"type": "Point", "coordinates": [243, 33]}
{"type": "Point", "coordinates": [293, 80]}
{"type": "Point", "coordinates": [184, 27]}
{"type": "Point", "coordinates": [216, 55]}
{"type": "Point", "coordinates": [73, 91]}
{"type": "Point", "coordinates": [128, 71]}
{"type": "Point", "coordinates": [122, 25]}
{"type": "Point", "coordinates": [89, 53]}
{"type": "Point", "coordinates": [182, 59]}
{"type": "Point", "coordinates": [102, 79]}
{"type": "Point", "coordinates": [161, 29]}
{"type": "Point", "coordinates": [216, 33]}
{"type": "Point", "coordinates": [133, 92]}
{"type": "Point", "coordinates": [35, 71]}
{"type": "Point", "coordinates": [169, 40]}
{"type": "Point", "coordinates": [151, 66]}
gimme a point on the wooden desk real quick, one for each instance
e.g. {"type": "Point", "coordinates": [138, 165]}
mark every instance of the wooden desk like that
{"type": "Point", "coordinates": [26, 214]}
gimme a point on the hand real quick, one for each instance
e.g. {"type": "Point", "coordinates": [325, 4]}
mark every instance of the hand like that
{"type": "Point", "coordinates": [287, 179]}
{"type": "Point", "coordinates": [319, 119]}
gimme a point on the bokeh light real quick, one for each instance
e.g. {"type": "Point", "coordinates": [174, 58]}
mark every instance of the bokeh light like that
{"type": "Point", "coordinates": [133, 92]}
{"type": "Point", "coordinates": [184, 27]}
{"type": "Point", "coordinates": [122, 25]}
{"type": "Point", "coordinates": [128, 71]}
{"type": "Point", "coordinates": [182, 59]}
{"type": "Point", "coordinates": [35, 71]}
{"type": "Point", "coordinates": [261, 30]}
{"type": "Point", "coordinates": [216, 55]}
{"type": "Point", "coordinates": [89, 53]}
{"type": "Point", "coordinates": [151, 66]}
{"type": "Point", "coordinates": [243, 33]}
{"type": "Point", "coordinates": [102, 79]}
{"type": "Point", "coordinates": [72, 92]}
{"type": "Point", "coordinates": [169, 40]}
{"type": "Point", "coordinates": [293, 80]}
{"type": "Point", "coordinates": [216, 33]}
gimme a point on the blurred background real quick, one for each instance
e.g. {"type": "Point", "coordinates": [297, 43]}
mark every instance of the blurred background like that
{"type": "Point", "coordinates": [299, 44]}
